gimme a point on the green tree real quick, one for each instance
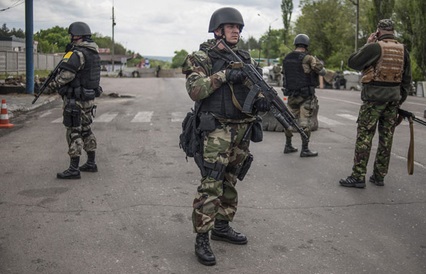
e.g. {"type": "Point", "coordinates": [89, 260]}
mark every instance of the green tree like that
{"type": "Point", "coordinates": [177, 60]}
{"type": "Point", "coordinates": [52, 40]}
{"type": "Point", "coordinates": [329, 25]}
{"type": "Point", "coordinates": [5, 31]}
{"type": "Point", "coordinates": [410, 23]}
{"type": "Point", "coordinates": [287, 11]}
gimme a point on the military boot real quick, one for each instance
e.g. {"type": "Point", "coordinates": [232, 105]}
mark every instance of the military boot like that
{"type": "Point", "coordinates": [203, 250]}
{"type": "Point", "coordinates": [90, 165]}
{"type": "Point", "coordinates": [72, 172]}
{"type": "Point", "coordinates": [223, 232]}
{"type": "Point", "coordinates": [351, 181]}
{"type": "Point", "coordinates": [289, 148]}
{"type": "Point", "coordinates": [306, 152]}
{"type": "Point", "coordinates": [377, 180]}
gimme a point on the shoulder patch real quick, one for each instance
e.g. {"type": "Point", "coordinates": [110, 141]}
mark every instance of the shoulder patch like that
{"type": "Point", "coordinates": [68, 55]}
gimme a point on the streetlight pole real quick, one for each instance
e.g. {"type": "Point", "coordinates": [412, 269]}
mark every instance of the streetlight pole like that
{"type": "Point", "coordinates": [112, 46]}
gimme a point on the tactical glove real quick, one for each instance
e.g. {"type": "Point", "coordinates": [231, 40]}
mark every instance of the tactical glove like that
{"type": "Point", "coordinates": [54, 86]}
{"type": "Point", "coordinates": [262, 105]}
{"type": "Point", "coordinates": [235, 76]}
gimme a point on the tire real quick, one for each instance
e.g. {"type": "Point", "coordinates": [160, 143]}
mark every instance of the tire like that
{"type": "Point", "coordinates": [135, 74]}
{"type": "Point", "coordinates": [270, 123]}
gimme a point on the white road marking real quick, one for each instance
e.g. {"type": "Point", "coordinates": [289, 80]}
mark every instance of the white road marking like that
{"type": "Point", "coordinates": [327, 121]}
{"type": "Point", "coordinates": [142, 117]}
{"type": "Point", "coordinates": [348, 116]}
{"type": "Point", "coordinates": [106, 117]}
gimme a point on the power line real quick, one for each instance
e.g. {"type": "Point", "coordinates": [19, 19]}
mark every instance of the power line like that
{"type": "Point", "coordinates": [13, 5]}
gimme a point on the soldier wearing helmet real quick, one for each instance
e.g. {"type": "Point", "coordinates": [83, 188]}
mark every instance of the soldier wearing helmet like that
{"type": "Point", "coordinates": [78, 84]}
{"type": "Point", "coordinates": [300, 73]}
{"type": "Point", "coordinates": [386, 80]}
{"type": "Point", "coordinates": [219, 91]}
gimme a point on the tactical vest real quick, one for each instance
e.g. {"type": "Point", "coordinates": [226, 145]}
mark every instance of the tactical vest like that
{"type": "Point", "coordinates": [90, 76]}
{"type": "Point", "coordinates": [220, 102]}
{"type": "Point", "coordinates": [295, 77]}
{"type": "Point", "coordinates": [389, 67]}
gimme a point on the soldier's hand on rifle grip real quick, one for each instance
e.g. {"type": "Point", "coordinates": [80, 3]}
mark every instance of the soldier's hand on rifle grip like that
{"type": "Point", "coordinates": [54, 86]}
{"type": "Point", "coordinates": [262, 105]}
{"type": "Point", "coordinates": [235, 76]}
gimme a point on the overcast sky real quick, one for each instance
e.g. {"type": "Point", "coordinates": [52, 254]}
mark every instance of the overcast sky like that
{"type": "Point", "coordinates": [149, 27]}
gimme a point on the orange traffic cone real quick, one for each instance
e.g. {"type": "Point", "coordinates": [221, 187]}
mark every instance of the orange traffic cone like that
{"type": "Point", "coordinates": [4, 117]}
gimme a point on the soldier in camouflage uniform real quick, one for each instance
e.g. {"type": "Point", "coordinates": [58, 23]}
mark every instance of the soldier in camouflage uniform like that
{"type": "Point", "coordinates": [219, 91]}
{"type": "Point", "coordinates": [385, 64]}
{"type": "Point", "coordinates": [78, 84]}
{"type": "Point", "coordinates": [301, 70]}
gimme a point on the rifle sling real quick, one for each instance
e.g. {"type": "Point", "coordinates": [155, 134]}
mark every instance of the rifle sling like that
{"type": "Point", "coordinates": [234, 99]}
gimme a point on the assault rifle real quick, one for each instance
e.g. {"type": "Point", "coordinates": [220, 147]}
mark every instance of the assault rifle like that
{"type": "Point", "coordinates": [46, 83]}
{"type": "Point", "coordinates": [407, 114]}
{"type": "Point", "coordinates": [278, 108]}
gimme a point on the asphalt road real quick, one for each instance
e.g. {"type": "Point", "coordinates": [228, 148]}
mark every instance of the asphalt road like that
{"type": "Point", "coordinates": [134, 215]}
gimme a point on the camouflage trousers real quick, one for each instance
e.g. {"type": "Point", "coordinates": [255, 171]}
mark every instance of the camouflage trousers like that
{"type": "Point", "coordinates": [219, 198]}
{"type": "Point", "coordinates": [371, 114]}
{"type": "Point", "coordinates": [303, 109]}
{"type": "Point", "coordinates": [81, 137]}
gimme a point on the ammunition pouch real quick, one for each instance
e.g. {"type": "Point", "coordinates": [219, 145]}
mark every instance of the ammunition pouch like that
{"type": "Point", "coordinates": [72, 114]}
{"type": "Point", "coordinates": [215, 171]}
{"type": "Point", "coordinates": [257, 130]}
{"type": "Point", "coordinates": [87, 94]}
{"type": "Point", "coordinates": [245, 167]}
{"type": "Point", "coordinates": [207, 122]}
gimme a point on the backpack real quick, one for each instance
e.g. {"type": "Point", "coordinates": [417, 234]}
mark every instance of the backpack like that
{"type": "Point", "coordinates": [190, 139]}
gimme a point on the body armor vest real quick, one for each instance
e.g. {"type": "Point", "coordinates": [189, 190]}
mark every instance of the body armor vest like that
{"type": "Point", "coordinates": [295, 77]}
{"type": "Point", "coordinates": [389, 67]}
{"type": "Point", "coordinates": [220, 102]}
{"type": "Point", "coordinates": [90, 76]}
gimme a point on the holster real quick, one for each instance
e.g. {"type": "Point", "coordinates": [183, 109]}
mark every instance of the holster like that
{"type": "Point", "coordinates": [245, 167]}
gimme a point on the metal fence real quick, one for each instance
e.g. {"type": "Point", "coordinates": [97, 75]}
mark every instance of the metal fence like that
{"type": "Point", "coordinates": [12, 62]}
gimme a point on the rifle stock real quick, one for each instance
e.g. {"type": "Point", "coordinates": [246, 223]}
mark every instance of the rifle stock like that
{"type": "Point", "coordinates": [407, 114]}
{"type": "Point", "coordinates": [46, 83]}
{"type": "Point", "coordinates": [278, 108]}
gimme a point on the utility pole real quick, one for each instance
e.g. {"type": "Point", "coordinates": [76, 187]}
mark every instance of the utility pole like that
{"type": "Point", "coordinates": [112, 46]}
{"type": "Point", "coordinates": [356, 3]}
{"type": "Point", "coordinates": [29, 47]}
{"type": "Point", "coordinates": [268, 37]}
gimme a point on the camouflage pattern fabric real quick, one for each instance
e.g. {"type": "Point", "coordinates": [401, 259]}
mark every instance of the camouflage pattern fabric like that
{"type": "Point", "coordinates": [303, 109]}
{"type": "Point", "coordinates": [219, 199]}
{"type": "Point", "coordinates": [371, 114]}
{"type": "Point", "coordinates": [81, 137]}
{"type": "Point", "coordinates": [385, 24]}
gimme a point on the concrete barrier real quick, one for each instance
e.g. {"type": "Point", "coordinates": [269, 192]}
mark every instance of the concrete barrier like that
{"type": "Point", "coordinates": [421, 89]}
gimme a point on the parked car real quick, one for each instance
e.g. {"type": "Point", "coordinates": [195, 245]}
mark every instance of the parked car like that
{"type": "Point", "coordinates": [353, 80]}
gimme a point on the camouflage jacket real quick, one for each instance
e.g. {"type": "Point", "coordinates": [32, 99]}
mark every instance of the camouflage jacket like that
{"type": "Point", "coordinates": [201, 82]}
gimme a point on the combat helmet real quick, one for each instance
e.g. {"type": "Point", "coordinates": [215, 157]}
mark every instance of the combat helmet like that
{"type": "Point", "coordinates": [79, 29]}
{"type": "Point", "coordinates": [301, 39]}
{"type": "Point", "coordinates": [225, 16]}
